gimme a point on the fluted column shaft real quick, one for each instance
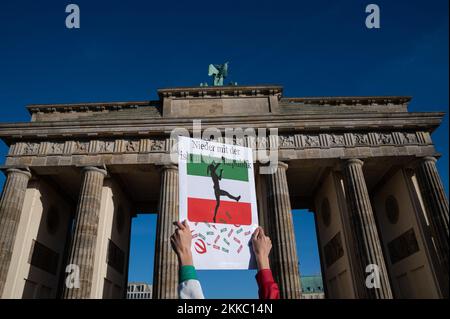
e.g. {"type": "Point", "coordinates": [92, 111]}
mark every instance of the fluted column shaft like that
{"type": "Point", "coordinates": [367, 242]}
{"type": "Point", "coordinates": [165, 276]}
{"type": "Point", "coordinates": [436, 202]}
{"type": "Point", "coordinates": [11, 204]}
{"type": "Point", "coordinates": [284, 253]}
{"type": "Point", "coordinates": [84, 240]}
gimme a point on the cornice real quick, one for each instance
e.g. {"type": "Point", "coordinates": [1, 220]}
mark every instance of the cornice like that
{"type": "Point", "coordinates": [84, 107]}
{"type": "Point", "coordinates": [348, 100]}
{"type": "Point", "coordinates": [220, 91]}
{"type": "Point", "coordinates": [426, 121]}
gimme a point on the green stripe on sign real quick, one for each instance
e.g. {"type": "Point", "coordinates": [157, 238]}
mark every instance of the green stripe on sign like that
{"type": "Point", "coordinates": [198, 165]}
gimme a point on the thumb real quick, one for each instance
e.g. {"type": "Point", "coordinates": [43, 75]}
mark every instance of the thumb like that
{"type": "Point", "coordinates": [186, 224]}
{"type": "Point", "coordinates": [255, 234]}
{"type": "Point", "coordinates": [262, 231]}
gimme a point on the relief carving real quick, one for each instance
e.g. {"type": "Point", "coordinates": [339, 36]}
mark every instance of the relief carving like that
{"type": "Point", "coordinates": [361, 139]}
{"type": "Point", "coordinates": [157, 145]}
{"type": "Point", "coordinates": [333, 250]}
{"type": "Point", "coordinates": [410, 138]}
{"type": "Point", "coordinates": [81, 147]}
{"type": "Point", "coordinates": [403, 246]}
{"type": "Point", "coordinates": [262, 142]}
{"type": "Point", "coordinates": [384, 138]}
{"type": "Point", "coordinates": [312, 141]}
{"type": "Point", "coordinates": [105, 146]}
{"type": "Point", "coordinates": [30, 148]}
{"type": "Point", "coordinates": [336, 140]}
{"type": "Point", "coordinates": [286, 141]}
{"type": "Point", "coordinates": [56, 148]}
{"type": "Point", "coordinates": [132, 146]}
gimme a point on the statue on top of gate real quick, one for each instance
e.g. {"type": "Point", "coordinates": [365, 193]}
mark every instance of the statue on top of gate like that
{"type": "Point", "coordinates": [219, 72]}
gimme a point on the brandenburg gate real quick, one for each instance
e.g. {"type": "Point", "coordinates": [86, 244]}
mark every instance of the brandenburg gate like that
{"type": "Point", "coordinates": [76, 174]}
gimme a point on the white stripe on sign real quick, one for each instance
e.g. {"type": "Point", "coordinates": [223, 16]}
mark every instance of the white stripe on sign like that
{"type": "Point", "coordinates": [203, 187]}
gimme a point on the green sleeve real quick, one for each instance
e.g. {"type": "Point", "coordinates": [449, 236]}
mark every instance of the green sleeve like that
{"type": "Point", "coordinates": [187, 272]}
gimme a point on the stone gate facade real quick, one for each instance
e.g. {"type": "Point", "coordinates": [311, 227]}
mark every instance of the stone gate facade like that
{"type": "Point", "coordinates": [76, 174]}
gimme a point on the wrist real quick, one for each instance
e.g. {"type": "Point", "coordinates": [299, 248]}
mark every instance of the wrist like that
{"type": "Point", "coordinates": [262, 262]}
{"type": "Point", "coordinates": [185, 259]}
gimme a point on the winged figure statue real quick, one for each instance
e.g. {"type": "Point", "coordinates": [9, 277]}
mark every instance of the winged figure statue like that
{"type": "Point", "coordinates": [219, 72]}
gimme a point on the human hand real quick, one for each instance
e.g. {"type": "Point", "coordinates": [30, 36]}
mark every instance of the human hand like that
{"type": "Point", "coordinates": [261, 247]}
{"type": "Point", "coordinates": [181, 241]}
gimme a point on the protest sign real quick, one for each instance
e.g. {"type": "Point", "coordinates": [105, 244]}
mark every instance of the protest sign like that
{"type": "Point", "coordinates": [217, 198]}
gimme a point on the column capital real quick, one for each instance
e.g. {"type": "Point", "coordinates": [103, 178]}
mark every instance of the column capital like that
{"type": "Point", "coordinates": [352, 161]}
{"type": "Point", "coordinates": [169, 167]}
{"type": "Point", "coordinates": [419, 161]}
{"type": "Point", "coordinates": [428, 159]}
{"type": "Point", "coordinates": [95, 169]}
{"type": "Point", "coordinates": [25, 172]}
{"type": "Point", "coordinates": [271, 168]}
{"type": "Point", "coordinates": [283, 165]}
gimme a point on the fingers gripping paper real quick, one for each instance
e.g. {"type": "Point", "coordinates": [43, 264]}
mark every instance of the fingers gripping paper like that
{"type": "Point", "coordinates": [217, 197]}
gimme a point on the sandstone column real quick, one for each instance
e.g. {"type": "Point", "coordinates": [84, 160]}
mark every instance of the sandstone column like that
{"type": "Point", "coordinates": [11, 204]}
{"type": "Point", "coordinates": [165, 276]}
{"type": "Point", "coordinates": [436, 203]}
{"type": "Point", "coordinates": [84, 239]}
{"type": "Point", "coordinates": [366, 241]}
{"type": "Point", "coordinates": [284, 252]}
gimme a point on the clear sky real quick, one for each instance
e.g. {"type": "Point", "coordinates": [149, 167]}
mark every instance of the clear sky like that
{"type": "Point", "coordinates": [125, 50]}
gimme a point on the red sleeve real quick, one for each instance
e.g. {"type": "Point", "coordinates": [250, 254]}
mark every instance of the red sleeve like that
{"type": "Point", "coordinates": [268, 288]}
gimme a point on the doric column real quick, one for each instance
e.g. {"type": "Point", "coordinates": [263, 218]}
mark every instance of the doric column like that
{"type": "Point", "coordinates": [165, 275]}
{"type": "Point", "coordinates": [11, 204]}
{"type": "Point", "coordinates": [284, 252]}
{"type": "Point", "coordinates": [366, 240]}
{"type": "Point", "coordinates": [84, 239]}
{"type": "Point", "coordinates": [437, 205]}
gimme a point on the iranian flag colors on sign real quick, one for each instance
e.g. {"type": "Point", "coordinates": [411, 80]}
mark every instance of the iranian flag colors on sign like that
{"type": "Point", "coordinates": [224, 179]}
{"type": "Point", "coordinates": [217, 197]}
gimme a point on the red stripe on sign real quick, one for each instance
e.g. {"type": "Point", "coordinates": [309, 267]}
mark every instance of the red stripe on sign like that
{"type": "Point", "coordinates": [229, 212]}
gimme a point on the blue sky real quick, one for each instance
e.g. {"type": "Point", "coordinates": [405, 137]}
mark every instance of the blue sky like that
{"type": "Point", "coordinates": [125, 50]}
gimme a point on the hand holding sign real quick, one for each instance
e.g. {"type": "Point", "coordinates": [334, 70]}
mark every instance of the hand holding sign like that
{"type": "Point", "coordinates": [181, 242]}
{"type": "Point", "coordinates": [261, 247]}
